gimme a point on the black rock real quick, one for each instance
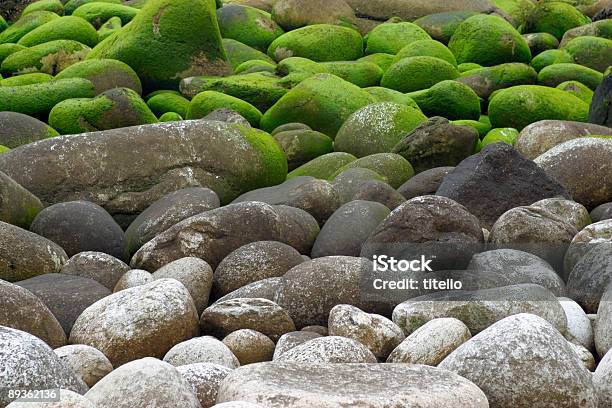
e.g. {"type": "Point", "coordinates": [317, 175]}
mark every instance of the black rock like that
{"type": "Point", "coordinates": [600, 111]}
{"type": "Point", "coordinates": [425, 183]}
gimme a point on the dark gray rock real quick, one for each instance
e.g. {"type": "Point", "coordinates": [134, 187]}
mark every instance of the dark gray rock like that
{"type": "Point", "coordinates": [602, 212]}
{"type": "Point", "coordinates": [600, 111]}
{"type": "Point", "coordinates": [379, 192]}
{"type": "Point", "coordinates": [590, 277]}
{"type": "Point", "coordinates": [424, 183]}
{"type": "Point", "coordinates": [348, 183]}
{"type": "Point", "coordinates": [17, 205]}
{"type": "Point", "coordinates": [17, 129]}
{"type": "Point", "coordinates": [98, 266]}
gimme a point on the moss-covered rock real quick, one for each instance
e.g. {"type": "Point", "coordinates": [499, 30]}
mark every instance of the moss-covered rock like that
{"type": "Point", "coordinates": [601, 28]}
{"type": "Point", "coordinates": [391, 166]}
{"type": "Point", "coordinates": [520, 106]}
{"type": "Point", "coordinates": [8, 49]}
{"type": "Point", "coordinates": [238, 53]}
{"type": "Point", "coordinates": [362, 74]}
{"type": "Point", "coordinates": [592, 52]}
{"type": "Point", "coordinates": [429, 48]}
{"type": "Point", "coordinates": [206, 102]}
{"type": "Point", "coordinates": [516, 10]}
{"type": "Point", "coordinates": [556, 74]}
{"type": "Point", "coordinates": [323, 167]}
{"type": "Point", "coordinates": [504, 135]}
{"type": "Point", "coordinates": [478, 125]}
{"type": "Point", "coordinates": [26, 24]}
{"type": "Point", "coordinates": [170, 117]}
{"type": "Point", "coordinates": [323, 102]}
{"type": "Point", "coordinates": [292, 14]}
{"type": "Point", "coordinates": [168, 102]}
{"type": "Point", "coordinates": [390, 38]}
{"type": "Point", "coordinates": [109, 28]}
{"type": "Point", "coordinates": [105, 74]}
{"type": "Point", "coordinates": [376, 128]}
{"type": "Point", "coordinates": [98, 13]}
{"type": "Point", "coordinates": [442, 26]}
{"type": "Point", "coordinates": [3, 24]}
{"type": "Point", "coordinates": [71, 5]}
{"type": "Point", "coordinates": [540, 42]}
{"type": "Point", "coordinates": [384, 61]}
{"type": "Point", "coordinates": [488, 40]}
{"type": "Point", "coordinates": [4, 149]}
{"type": "Point", "coordinates": [577, 89]}
{"type": "Point", "coordinates": [303, 145]}
{"type": "Point", "coordinates": [26, 79]}
{"type": "Point", "coordinates": [260, 89]}
{"type": "Point", "coordinates": [249, 25]}
{"type": "Point", "coordinates": [63, 28]}
{"type": "Point", "coordinates": [162, 48]}
{"type": "Point", "coordinates": [450, 99]}
{"type": "Point", "coordinates": [116, 108]}
{"type": "Point", "coordinates": [485, 81]}
{"type": "Point", "coordinates": [54, 6]}
{"type": "Point", "coordinates": [389, 95]}
{"type": "Point", "coordinates": [416, 73]}
{"type": "Point", "coordinates": [249, 67]}
{"type": "Point", "coordinates": [51, 58]}
{"type": "Point", "coordinates": [550, 57]}
{"type": "Point", "coordinates": [18, 129]}
{"type": "Point", "coordinates": [468, 66]}
{"type": "Point", "coordinates": [554, 18]}
{"type": "Point", "coordinates": [38, 99]}
{"type": "Point", "coordinates": [319, 42]}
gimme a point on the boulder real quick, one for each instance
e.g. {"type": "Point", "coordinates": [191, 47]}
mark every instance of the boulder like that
{"type": "Point", "coordinates": [391, 37]}
{"type": "Point", "coordinates": [379, 192]}
{"type": "Point", "coordinates": [417, 73]}
{"type": "Point", "coordinates": [105, 74]}
{"type": "Point", "coordinates": [98, 266]}
{"type": "Point", "coordinates": [63, 28]}
{"type": "Point", "coordinates": [412, 10]}
{"type": "Point", "coordinates": [579, 327]}
{"type": "Point", "coordinates": [323, 167]}
{"type": "Point", "coordinates": [554, 18]}
{"type": "Point", "coordinates": [329, 349]}
{"type": "Point", "coordinates": [603, 326]}
{"type": "Point", "coordinates": [292, 14]}
{"type": "Point", "coordinates": [292, 339]}
{"type": "Point", "coordinates": [250, 346]}
{"type": "Point", "coordinates": [204, 349]}
{"type": "Point", "coordinates": [591, 275]}
{"type": "Point", "coordinates": [19, 129]}
{"type": "Point", "coordinates": [556, 74]}
{"type": "Point", "coordinates": [424, 183]}
{"type": "Point", "coordinates": [600, 111]}
{"type": "Point", "coordinates": [207, 102]}
{"type": "Point", "coordinates": [251, 26]}
{"type": "Point", "coordinates": [205, 379]}
{"type": "Point", "coordinates": [132, 279]}
{"type": "Point", "coordinates": [602, 379]}
{"type": "Point", "coordinates": [450, 99]}
{"type": "Point", "coordinates": [49, 58]}
{"type": "Point", "coordinates": [87, 362]}
{"type": "Point", "coordinates": [301, 146]}
{"type": "Point", "coordinates": [592, 52]}
{"type": "Point", "coordinates": [485, 81]}
{"type": "Point", "coordinates": [17, 205]}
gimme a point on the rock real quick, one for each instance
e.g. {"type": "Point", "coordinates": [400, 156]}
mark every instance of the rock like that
{"type": "Point", "coordinates": [80, 226]}
{"type": "Point", "coordinates": [132, 279]}
{"type": "Point", "coordinates": [603, 332]}
{"type": "Point", "coordinates": [248, 25]}
{"type": "Point", "coordinates": [169, 165]}
{"type": "Point", "coordinates": [348, 228]}
{"type": "Point", "coordinates": [205, 349]}
{"type": "Point", "coordinates": [480, 309]}
{"type": "Point", "coordinates": [436, 143]}
{"type": "Point", "coordinates": [554, 18]}
{"type": "Point", "coordinates": [556, 74]}
{"type": "Point", "coordinates": [540, 42]}
{"type": "Point", "coordinates": [592, 52]}
{"type": "Point", "coordinates": [379, 334]}
{"type": "Point", "coordinates": [162, 56]}
{"type": "Point", "coordinates": [227, 115]}
{"type": "Point", "coordinates": [67, 399]}
{"type": "Point", "coordinates": [577, 89]}
{"type": "Point", "coordinates": [123, 324]}
{"type": "Point", "coordinates": [318, 329]}
{"type": "Point", "coordinates": [26, 24]}
{"type": "Point", "coordinates": [602, 212]}
{"type": "Point", "coordinates": [380, 192]}
{"type": "Point", "coordinates": [424, 183]}
{"type": "Point", "coordinates": [301, 146]}
{"type": "Point", "coordinates": [262, 315]}
{"type": "Point", "coordinates": [431, 343]}
{"type": "Point", "coordinates": [450, 99]}
{"type": "Point", "coordinates": [391, 37]}
{"type": "Point", "coordinates": [595, 29]}
{"type": "Point", "coordinates": [600, 111]}
{"type": "Point", "coordinates": [550, 57]}
{"type": "Point", "coordinates": [601, 380]}
{"type": "Point", "coordinates": [539, 137]}
{"type": "Point", "coordinates": [63, 28]}
{"type": "Point", "coordinates": [442, 25]}
{"type": "Point", "coordinates": [417, 73]}
{"type": "Point", "coordinates": [198, 236]}
{"type": "Point", "coordinates": [323, 167]}
{"type": "Point", "coordinates": [98, 13]}
{"type": "Point", "coordinates": [109, 28]}
{"type": "Point", "coordinates": [330, 349]}
{"type": "Point", "coordinates": [250, 346]}
{"type": "Point", "coordinates": [287, 384]}
{"type": "Point", "coordinates": [105, 74]}
{"type": "Point", "coordinates": [30, 363]}
{"type": "Point", "coordinates": [98, 266]}
{"type": "Point", "coordinates": [292, 14]}
{"type": "Point", "coordinates": [22, 310]}
{"type": "Point", "coordinates": [24, 254]}
{"type": "Point", "coordinates": [579, 328]}
{"type": "Point", "coordinates": [147, 380]}
{"type": "Point", "coordinates": [426, 47]}
{"type": "Point", "coordinates": [49, 58]}
{"type": "Point", "coordinates": [585, 356]}
{"type": "Point", "coordinates": [292, 339]}
{"type": "Point", "coordinates": [87, 362]}
{"type": "Point", "coordinates": [207, 102]}
{"type": "Point", "coordinates": [589, 237]}
{"type": "Point", "coordinates": [253, 262]}
{"type": "Point", "coordinates": [582, 166]}
{"type": "Point", "coordinates": [544, 369]}
{"type": "Point", "coordinates": [195, 274]}
{"type": "Point", "coordinates": [166, 102]}
{"type": "Point", "coordinates": [19, 129]}
{"type": "Point", "coordinates": [66, 296]}
{"type": "Point", "coordinates": [17, 205]}
{"type": "Point", "coordinates": [205, 379]}
{"type": "Point", "coordinates": [485, 81]}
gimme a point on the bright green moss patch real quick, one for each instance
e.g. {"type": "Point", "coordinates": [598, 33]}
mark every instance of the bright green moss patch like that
{"type": "Point", "coordinates": [249, 67]}
{"type": "Point", "coordinates": [109, 28]}
{"type": "Point", "coordinates": [323, 167]}
{"type": "Point", "coordinates": [8, 49]}
{"type": "Point", "coordinates": [485, 81]}
{"type": "Point", "coordinates": [54, 6]}
{"type": "Point", "coordinates": [105, 74]}
{"type": "Point", "coordinates": [554, 18]}
{"type": "Point", "coordinates": [416, 73]}
{"type": "Point", "coordinates": [206, 102]}
{"type": "Point", "coordinates": [390, 38]}
{"type": "Point", "coordinates": [249, 25]}
{"type": "Point", "coordinates": [468, 66]}
{"type": "Point", "coordinates": [362, 74]}
{"type": "Point", "coordinates": [237, 53]}
{"type": "Point", "coordinates": [384, 61]}
{"type": "Point", "coordinates": [429, 48]}
{"type": "Point", "coordinates": [556, 74]}
{"type": "Point", "coordinates": [550, 57]}
{"type": "Point", "coordinates": [168, 102]}
{"type": "Point", "coordinates": [51, 58]}
{"type": "Point", "coordinates": [389, 95]}
{"type": "Point", "coordinates": [393, 167]}
{"type": "Point", "coordinates": [540, 42]}
{"type": "Point", "coordinates": [450, 99]}
{"type": "Point", "coordinates": [577, 89]}
{"type": "Point", "coordinates": [592, 52]}
{"type": "Point", "coordinates": [505, 135]}
{"type": "Point", "coordinates": [4, 149]}
{"type": "Point", "coordinates": [72, 5]}
{"type": "Point", "coordinates": [170, 117]}
{"type": "Point", "coordinates": [26, 24]}
{"type": "Point", "coordinates": [481, 127]}
{"type": "Point", "coordinates": [63, 28]}
{"type": "Point", "coordinates": [26, 79]}
{"type": "Point", "coordinates": [98, 13]}
{"type": "Point", "coordinates": [271, 156]}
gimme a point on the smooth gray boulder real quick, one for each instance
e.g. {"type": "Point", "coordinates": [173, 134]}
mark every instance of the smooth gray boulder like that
{"type": "Point", "coordinates": [17, 205]}
{"type": "Point", "coordinates": [410, 10]}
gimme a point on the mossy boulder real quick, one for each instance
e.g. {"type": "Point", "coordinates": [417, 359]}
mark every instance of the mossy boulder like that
{"type": "Point", "coordinates": [26, 79]}
{"type": "Point", "coordinates": [3, 24]}
{"type": "Point", "coordinates": [260, 89]}
{"type": "Point", "coordinates": [116, 108]}
{"type": "Point", "coordinates": [8, 49]}
{"type": "Point", "coordinates": [450, 99]}
{"type": "Point", "coordinates": [391, 166]}
{"type": "Point", "coordinates": [468, 66]}
{"type": "Point", "coordinates": [292, 14]}
{"type": "Point", "coordinates": [294, 65]}
{"type": "Point", "coordinates": [540, 42]}
{"type": "Point", "coordinates": [601, 28]}
{"type": "Point", "coordinates": [389, 95]}
{"type": "Point", "coordinates": [577, 89]}
{"type": "Point", "coordinates": [550, 57]}
{"type": "Point", "coordinates": [109, 28]}
{"type": "Point", "coordinates": [504, 135]}
{"type": "Point", "coordinates": [480, 126]}
{"type": "Point", "coordinates": [38, 99]}
{"type": "Point", "coordinates": [323, 102]}
{"type": "Point", "coordinates": [556, 74]}
{"type": "Point", "coordinates": [319, 42]}
{"type": "Point", "coordinates": [97, 13]}
{"type": "Point", "coordinates": [488, 40]}
{"type": "Point", "coordinates": [516, 10]}
{"type": "Point", "coordinates": [26, 24]}
{"type": "Point", "coordinates": [71, 5]}
{"type": "Point", "coordinates": [168, 102]}
{"type": "Point", "coordinates": [442, 26]}
{"type": "Point", "coordinates": [4, 149]}
{"type": "Point", "coordinates": [51, 58]}
{"type": "Point", "coordinates": [323, 167]}
{"type": "Point", "coordinates": [485, 81]}
{"type": "Point", "coordinates": [429, 48]}
{"type": "Point", "coordinates": [18, 129]}
{"type": "Point", "coordinates": [105, 74]}
{"type": "Point", "coordinates": [554, 18]}
{"type": "Point", "coordinates": [63, 28]}
{"type": "Point", "coordinates": [170, 117]}
{"type": "Point", "coordinates": [383, 60]}
{"type": "Point", "coordinates": [376, 128]}
{"type": "Point", "coordinates": [592, 52]}
{"type": "Point", "coordinates": [208, 101]}
{"type": "Point", "coordinates": [303, 145]}
{"type": "Point", "coordinates": [390, 38]}
{"type": "Point", "coordinates": [238, 53]}
{"type": "Point", "coordinates": [362, 74]}
{"type": "Point", "coordinates": [249, 67]}
{"type": "Point", "coordinates": [162, 49]}
{"type": "Point", "coordinates": [249, 25]}
{"type": "Point", "coordinates": [54, 6]}
{"type": "Point", "coordinates": [520, 106]}
{"type": "Point", "coordinates": [416, 73]}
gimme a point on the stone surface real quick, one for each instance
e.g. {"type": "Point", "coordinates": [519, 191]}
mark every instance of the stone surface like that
{"type": "Point", "coordinates": [329, 349]}
{"type": "Point", "coordinates": [588, 280]}
{"type": "Point", "coordinates": [589, 237]}
{"type": "Point", "coordinates": [205, 379]}
{"type": "Point", "coordinates": [17, 205]}
{"type": "Point", "coordinates": [603, 326]}
{"type": "Point", "coordinates": [98, 266]}
{"type": "Point", "coordinates": [204, 349]}
{"type": "Point", "coordinates": [292, 339]}
{"type": "Point", "coordinates": [579, 327]}
{"type": "Point", "coordinates": [132, 279]}
{"type": "Point", "coordinates": [602, 379]}
{"type": "Point", "coordinates": [86, 362]}
{"type": "Point", "coordinates": [250, 346]}
{"type": "Point", "coordinates": [601, 106]}
{"type": "Point", "coordinates": [424, 183]}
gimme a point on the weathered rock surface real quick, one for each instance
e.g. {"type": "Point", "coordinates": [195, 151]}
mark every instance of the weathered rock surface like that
{"type": "Point", "coordinates": [87, 362]}
{"type": "Point", "coordinates": [17, 205]}
{"type": "Point", "coordinates": [98, 266]}
{"type": "Point", "coordinates": [206, 349]}
{"type": "Point", "coordinates": [205, 379]}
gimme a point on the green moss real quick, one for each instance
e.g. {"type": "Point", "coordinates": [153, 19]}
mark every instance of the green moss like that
{"type": "Point", "coordinates": [554, 18]}
{"type": "Point", "coordinates": [488, 40]}
{"type": "Point", "coordinates": [302, 145]}
{"type": "Point", "coordinates": [54, 6]}
{"type": "Point", "coordinates": [393, 167]}
{"type": "Point", "coordinates": [577, 89]}
{"type": "Point", "coordinates": [8, 49]}
{"type": "Point", "coordinates": [390, 38]}
{"type": "Point", "coordinates": [505, 135]}
{"type": "Point", "coordinates": [109, 28]}
{"type": "Point", "coordinates": [450, 99]}
{"type": "Point", "coordinates": [322, 102]}
{"type": "Point", "coordinates": [556, 74]}
{"type": "Point", "coordinates": [362, 74]}
{"type": "Point", "coordinates": [206, 102]}
{"type": "Point", "coordinates": [249, 25]}
{"type": "Point", "coordinates": [98, 13]}
{"type": "Point", "coordinates": [72, 5]}
{"type": "Point", "coordinates": [384, 61]}
{"type": "Point", "coordinates": [319, 42]}
{"type": "Point", "coordinates": [592, 52]}
{"type": "Point", "coordinates": [416, 73]}
{"type": "Point", "coordinates": [63, 28]}
{"type": "Point", "coordinates": [271, 156]}
{"type": "Point", "coordinates": [3, 24]}
{"type": "Point", "coordinates": [601, 28]}
{"type": "Point", "coordinates": [104, 73]}
{"type": "Point", "coordinates": [159, 92]}
{"type": "Point", "coordinates": [26, 24]}
{"type": "Point", "coordinates": [168, 102]}
{"type": "Point", "coordinates": [389, 95]}
{"type": "Point", "coordinates": [522, 105]}
{"type": "Point", "coordinates": [550, 57]}
{"type": "Point", "coordinates": [237, 53]}
{"type": "Point", "coordinates": [300, 65]}
{"type": "Point", "coordinates": [170, 117]}
{"type": "Point", "coordinates": [468, 66]}
{"type": "Point", "coordinates": [540, 42]}
{"type": "Point", "coordinates": [480, 127]}
{"type": "Point", "coordinates": [50, 58]}
{"type": "Point", "coordinates": [323, 167]}
{"type": "Point", "coordinates": [38, 99]}
{"type": "Point", "coordinates": [249, 67]}
{"type": "Point", "coordinates": [442, 26]}
{"type": "Point", "coordinates": [429, 48]}
{"type": "Point", "coordinates": [4, 149]}
{"type": "Point", "coordinates": [518, 10]}
{"type": "Point", "coordinates": [485, 81]}
{"type": "Point", "coordinates": [26, 79]}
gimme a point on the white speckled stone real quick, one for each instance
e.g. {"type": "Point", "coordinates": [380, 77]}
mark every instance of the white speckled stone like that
{"type": "Point", "coordinates": [205, 349]}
